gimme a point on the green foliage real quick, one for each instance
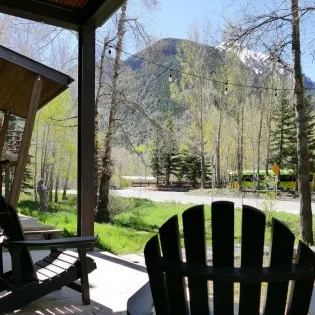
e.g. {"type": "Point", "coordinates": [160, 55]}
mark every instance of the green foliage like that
{"type": "Point", "coordinates": [129, 231]}
{"type": "Point", "coordinates": [268, 206]}
{"type": "Point", "coordinates": [283, 137]}
{"type": "Point", "coordinates": [117, 205]}
{"type": "Point", "coordinates": [164, 151]}
{"type": "Point", "coordinates": [189, 166]}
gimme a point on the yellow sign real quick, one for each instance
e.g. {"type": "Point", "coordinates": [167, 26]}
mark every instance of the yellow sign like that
{"type": "Point", "coordinates": [276, 169]}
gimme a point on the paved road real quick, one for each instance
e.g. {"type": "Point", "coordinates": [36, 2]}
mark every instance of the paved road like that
{"type": "Point", "coordinates": [291, 206]}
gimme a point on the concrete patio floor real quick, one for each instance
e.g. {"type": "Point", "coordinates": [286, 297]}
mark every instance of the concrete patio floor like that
{"type": "Point", "coordinates": [111, 284]}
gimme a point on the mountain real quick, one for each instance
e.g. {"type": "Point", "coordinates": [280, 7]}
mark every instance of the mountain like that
{"type": "Point", "coordinates": [164, 55]}
{"type": "Point", "coordinates": [308, 82]}
{"type": "Point", "coordinates": [166, 51]}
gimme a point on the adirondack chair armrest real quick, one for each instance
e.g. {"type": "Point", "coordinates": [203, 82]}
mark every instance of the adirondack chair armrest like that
{"type": "Point", "coordinates": [80, 242]}
{"type": "Point", "coordinates": [141, 302]}
{"type": "Point", "coordinates": [1, 258]}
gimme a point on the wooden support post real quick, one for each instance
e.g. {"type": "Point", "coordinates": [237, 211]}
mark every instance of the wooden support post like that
{"type": "Point", "coordinates": [7, 179]}
{"type": "Point", "coordinates": [86, 141]}
{"type": "Point", "coordinates": [4, 130]}
{"type": "Point", "coordinates": [1, 179]}
{"type": "Point", "coordinates": [26, 140]}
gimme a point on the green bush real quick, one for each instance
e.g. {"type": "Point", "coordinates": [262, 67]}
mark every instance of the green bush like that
{"type": "Point", "coordinates": [119, 205]}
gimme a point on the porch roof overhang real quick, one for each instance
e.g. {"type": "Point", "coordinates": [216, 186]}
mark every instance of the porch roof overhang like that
{"type": "Point", "coordinates": [84, 16]}
{"type": "Point", "coordinates": [70, 14]}
{"type": "Point", "coordinates": [17, 74]}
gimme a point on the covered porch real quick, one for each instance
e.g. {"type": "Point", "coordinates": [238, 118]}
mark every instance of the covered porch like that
{"type": "Point", "coordinates": [111, 284]}
{"type": "Point", "coordinates": [115, 278]}
{"type": "Point", "coordinates": [84, 17]}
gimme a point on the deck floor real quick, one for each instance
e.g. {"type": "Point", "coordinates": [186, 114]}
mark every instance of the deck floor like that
{"type": "Point", "coordinates": [111, 284]}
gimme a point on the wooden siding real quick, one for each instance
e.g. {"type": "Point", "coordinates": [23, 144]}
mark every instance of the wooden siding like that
{"type": "Point", "coordinates": [78, 4]}
{"type": "Point", "coordinates": [16, 87]}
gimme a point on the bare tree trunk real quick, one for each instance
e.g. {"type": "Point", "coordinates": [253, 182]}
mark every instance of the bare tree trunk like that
{"type": "Point", "coordinates": [65, 186]}
{"type": "Point", "coordinates": [103, 214]}
{"type": "Point", "coordinates": [258, 147]}
{"type": "Point", "coordinates": [268, 136]}
{"type": "Point", "coordinates": [42, 155]}
{"type": "Point", "coordinates": [44, 166]}
{"type": "Point", "coordinates": [301, 123]}
{"type": "Point", "coordinates": [35, 167]}
{"type": "Point", "coordinates": [268, 142]}
{"type": "Point", "coordinates": [57, 188]}
{"type": "Point", "coordinates": [202, 161]}
{"type": "Point", "coordinates": [240, 144]}
{"type": "Point", "coordinates": [217, 149]}
{"type": "Point", "coordinates": [51, 186]}
{"type": "Point", "coordinates": [96, 126]}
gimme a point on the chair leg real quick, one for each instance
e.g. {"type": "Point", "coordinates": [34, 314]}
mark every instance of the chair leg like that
{"type": "Point", "coordinates": [84, 278]}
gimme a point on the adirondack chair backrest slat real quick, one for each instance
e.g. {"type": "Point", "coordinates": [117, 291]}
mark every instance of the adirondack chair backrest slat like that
{"type": "Point", "coordinates": [168, 271]}
{"type": "Point", "coordinates": [222, 215]}
{"type": "Point", "coordinates": [175, 283]}
{"type": "Point", "coordinates": [11, 225]}
{"type": "Point", "coordinates": [252, 251]}
{"type": "Point", "coordinates": [301, 291]}
{"type": "Point", "coordinates": [152, 253]}
{"type": "Point", "coordinates": [195, 248]}
{"type": "Point", "coordinates": [281, 254]}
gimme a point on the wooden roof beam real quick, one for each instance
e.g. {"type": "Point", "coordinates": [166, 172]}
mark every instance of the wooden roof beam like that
{"type": "Point", "coordinates": [97, 12]}
{"type": "Point", "coordinates": [39, 11]}
{"type": "Point", "coordinates": [93, 14]}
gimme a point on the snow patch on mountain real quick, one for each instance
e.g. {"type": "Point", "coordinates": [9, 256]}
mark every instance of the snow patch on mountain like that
{"type": "Point", "coordinates": [261, 63]}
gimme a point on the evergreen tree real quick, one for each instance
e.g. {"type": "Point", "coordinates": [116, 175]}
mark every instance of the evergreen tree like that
{"type": "Point", "coordinates": [189, 166]}
{"type": "Point", "coordinates": [165, 152]}
{"type": "Point", "coordinates": [283, 136]}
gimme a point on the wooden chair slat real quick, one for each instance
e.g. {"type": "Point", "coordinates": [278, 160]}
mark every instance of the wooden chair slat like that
{"type": "Point", "coordinates": [222, 213]}
{"type": "Point", "coordinates": [51, 267]}
{"type": "Point", "coordinates": [45, 272]}
{"type": "Point", "coordinates": [42, 277]}
{"type": "Point", "coordinates": [195, 246]}
{"type": "Point", "coordinates": [28, 281]}
{"type": "Point", "coordinates": [167, 271]}
{"type": "Point", "coordinates": [56, 262]}
{"type": "Point", "coordinates": [11, 225]}
{"type": "Point", "coordinates": [252, 251]}
{"type": "Point", "coordinates": [281, 253]}
{"type": "Point", "coordinates": [301, 290]}
{"type": "Point", "coordinates": [171, 249]}
{"type": "Point", "coordinates": [152, 253]}
{"type": "Point", "coordinates": [63, 257]}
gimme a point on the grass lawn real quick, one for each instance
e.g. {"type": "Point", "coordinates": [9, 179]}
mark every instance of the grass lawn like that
{"type": "Point", "coordinates": [131, 229]}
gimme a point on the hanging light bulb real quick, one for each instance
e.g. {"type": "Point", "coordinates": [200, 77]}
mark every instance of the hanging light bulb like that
{"type": "Point", "coordinates": [170, 78]}
{"type": "Point", "coordinates": [226, 89]}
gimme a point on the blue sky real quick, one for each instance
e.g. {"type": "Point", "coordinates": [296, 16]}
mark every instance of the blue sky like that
{"type": "Point", "coordinates": [173, 17]}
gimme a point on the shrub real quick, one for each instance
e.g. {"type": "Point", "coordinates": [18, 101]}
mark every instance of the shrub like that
{"type": "Point", "coordinates": [118, 205]}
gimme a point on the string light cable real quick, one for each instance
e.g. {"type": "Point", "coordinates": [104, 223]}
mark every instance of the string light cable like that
{"type": "Point", "coordinates": [225, 83]}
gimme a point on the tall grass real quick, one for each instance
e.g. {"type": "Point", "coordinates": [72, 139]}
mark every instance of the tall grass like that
{"type": "Point", "coordinates": [136, 221]}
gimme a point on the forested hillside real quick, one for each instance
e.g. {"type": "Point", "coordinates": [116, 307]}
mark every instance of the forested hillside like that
{"type": "Point", "coordinates": [201, 103]}
{"type": "Point", "coordinates": [189, 110]}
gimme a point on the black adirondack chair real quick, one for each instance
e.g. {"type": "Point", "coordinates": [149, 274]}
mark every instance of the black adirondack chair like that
{"type": "Point", "coordinates": [28, 281]}
{"type": "Point", "coordinates": [172, 280]}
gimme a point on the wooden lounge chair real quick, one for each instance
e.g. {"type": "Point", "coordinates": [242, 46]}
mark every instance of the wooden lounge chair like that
{"type": "Point", "coordinates": [27, 281]}
{"type": "Point", "coordinates": [182, 287]}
